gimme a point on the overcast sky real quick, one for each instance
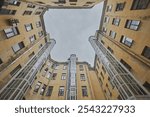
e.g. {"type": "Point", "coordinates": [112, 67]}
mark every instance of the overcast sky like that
{"type": "Point", "coordinates": [71, 29]}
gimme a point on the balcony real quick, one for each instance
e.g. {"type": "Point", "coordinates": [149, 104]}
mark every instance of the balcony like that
{"type": "Point", "coordinates": [127, 86]}
{"type": "Point", "coordinates": [71, 83]}
{"type": "Point", "coordinates": [20, 82]}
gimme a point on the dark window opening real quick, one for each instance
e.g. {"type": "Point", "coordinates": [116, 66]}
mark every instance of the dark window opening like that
{"type": "Point", "coordinates": [126, 64]}
{"type": "Point", "coordinates": [146, 52]}
{"type": "Point", "coordinates": [147, 85]}
{"type": "Point", "coordinates": [140, 4]}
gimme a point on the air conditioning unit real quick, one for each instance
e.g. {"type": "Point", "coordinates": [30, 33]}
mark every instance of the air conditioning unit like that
{"type": "Point", "coordinates": [13, 22]}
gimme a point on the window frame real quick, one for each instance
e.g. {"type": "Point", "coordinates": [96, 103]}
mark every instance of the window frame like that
{"type": "Point", "coordinates": [49, 91]}
{"type": "Point", "coordinates": [116, 21]}
{"type": "Point", "coordinates": [1, 62]}
{"type": "Point", "coordinates": [28, 27]}
{"type": "Point", "coordinates": [136, 3]}
{"type": "Point", "coordinates": [19, 45]}
{"type": "Point", "coordinates": [84, 91]}
{"type": "Point", "coordinates": [61, 91]}
{"type": "Point", "coordinates": [63, 76]}
{"type": "Point", "coordinates": [32, 38]}
{"type": "Point", "coordinates": [125, 40]}
{"type": "Point", "coordinates": [131, 23]}
{"type": "Point", "coordinates": [120, 6]}
{"type": "Point", "coordinates": [112, 34]}
{"type": "Point", "coordinates": [13, 30]}
{"type": "Point", "coordinates": [82, 77]}
{"type": "Point", "coordinates": [37, 86]}
{"type": "Point", "coordinates": [143, 52]}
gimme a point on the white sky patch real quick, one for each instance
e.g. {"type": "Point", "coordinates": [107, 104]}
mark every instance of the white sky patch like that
{"type": "Point", "coordinates": [71, 29]}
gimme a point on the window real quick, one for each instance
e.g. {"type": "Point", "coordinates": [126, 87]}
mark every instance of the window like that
{"type": "Point", "coordinates": [56, 66]}
{"type": "Point", "coordinates": [103, 69]}
{"type": "Point", "coordinates": [43, 89]}
{"type": "Point", "coordinates": [62, 1]}
{"type": "Point", "coordinates": [112, 34]}
{"type": "Point", "coordinates": [104, 30]}
{"type": "Point", "coordinates": [40, 33]}
{"type": "Point", "coordinates": [81, 67]}
{"type": "Point", "coordinates": [31, 6]}
{"type": "Point", "coordinates": [31, 55]}
{"type": "Point", "coordinates": [32, 38]}
{"type": "Point", "coordinates": [126, 41]}
{"type": "Point", "coordinates": [110, 50]}
{"type": "Point", "coordinates": [37, 86]}
{"type": "Point", "coordinates": [102, 75]}
{"type": "Point", "coordinates": [126, 64]}
{"type": "Point", "coordinates": [61, 91]}
{"type": "Point", "coordinates": [10, 32]}
{"type": "Point", "coordinates": [38, 13]}
{"type": "Point", "coordinates": [132, 24]}
{"type": "Point", "coordinates": [102, 42]}
{"type": "Point", "coordinates": [1, 61]}
{"type": "Point", "coordinates": [84, 91]}
{"type": "Point", "coordinates": [89, 2]}
{"type": "Point", "coordinates": [15, 3]}
{"type": "Point", "coordinates": [7, 12]}
{"type": "Point", "coordinates": [48, 75]}
{"type": "Point", "coordinates": [27, 13]}
{"type": "Point", "coordinates": [18, 47]}
{"type": "Point", "coordinates": [106, 19]}
{"type": "Point", "coordinates": [82, 77]}
{"type": "Point", "coordinates": [86, 5]}
{"type": "Point", "coordinates": [116, 21]}
{"type": "Point", "coordinates": [64, 67]}
{"type": "Point", "coordinates": [63, 76]}
{"type": "Point", "coordinates": [109, 8]}
{"type": "Point", "coordinates": [40, 46]}
{"type": "Point", "coordinates": [54, 76]}
{"type": "Point", "coordinates": [49, 91]}
{"type": "Point", "coordinates": [38, 24]}
{"type": "Point", "coordinates": [147, 85]}
{"type": "Point", "coordinates": [28, 27]}
{"type": "Point", "coordinates": [72, 0]}
{"type": "Point", "coordinates": [41, 8]}
{"type": "Point", "coordinates": [13, 72]}
{"type": "Point", "coordinates": [146, 52]}
{"type": "Point", "coordinates": [120, 6]}
{"type": "Point", "coordinates": [73, 4]}
{"type": "Point", "coordinates": [140, 4]}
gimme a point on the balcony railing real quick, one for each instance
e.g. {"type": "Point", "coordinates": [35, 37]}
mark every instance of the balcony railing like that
{"type": "Point", "coordinates": [71, 83]}
{"type": "Point", "coordinates": [127, 86]}
{"type": "Point", "coordinates": [19, 84]}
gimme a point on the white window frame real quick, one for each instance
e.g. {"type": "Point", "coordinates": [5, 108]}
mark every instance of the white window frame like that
{"type": "Point", "coordinates": [28, 27]}
{"type": "Point", "coordinates": [133, 24]}
{"type": "Point", "coordinates": [63, 76]}
{"type": "Point", "coordinates": [112, 34]}
{"type": "Point", "coordinates": [11, 32]}
{"type": "Point", "coordinates": [126, 41]}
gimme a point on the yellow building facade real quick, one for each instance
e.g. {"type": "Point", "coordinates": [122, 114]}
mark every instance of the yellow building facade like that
{"type": "Point", "coordinates": [124, 32]}
{"type": "Point", "coordinates": [54, 82]}
{"type": "Point", "coordinates": [122, 52]}
{"type": "Point", "coordinates": [66, 3]}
